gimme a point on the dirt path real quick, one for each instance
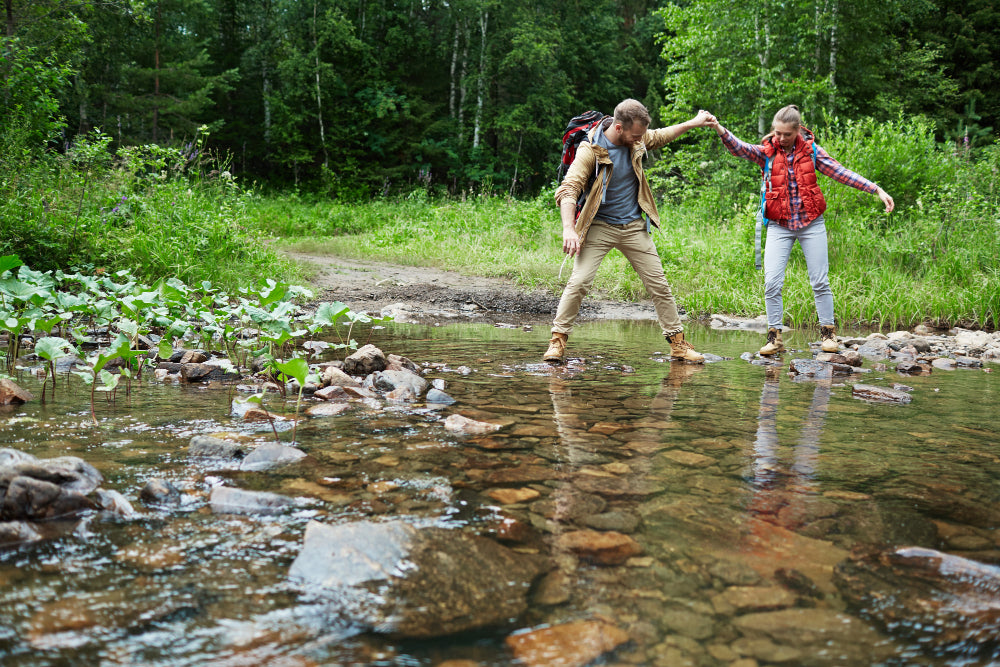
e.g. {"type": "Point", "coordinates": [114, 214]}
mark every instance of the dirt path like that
{"type": "Point", "coordinates": [422, 294]}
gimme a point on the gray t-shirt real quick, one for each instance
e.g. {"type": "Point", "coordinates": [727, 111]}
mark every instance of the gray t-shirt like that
{"type": "Point", "coordinates": [621, 202]}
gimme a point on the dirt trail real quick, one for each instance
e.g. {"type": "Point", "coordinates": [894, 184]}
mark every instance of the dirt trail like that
{"type": "Point", "coordinates": [422, 294]}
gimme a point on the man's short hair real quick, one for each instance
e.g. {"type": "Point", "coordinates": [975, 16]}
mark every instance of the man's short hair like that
{"type": "Point", "coordinates": [631, 111]}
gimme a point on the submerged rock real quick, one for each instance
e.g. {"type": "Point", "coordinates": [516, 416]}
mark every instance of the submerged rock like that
{"type": "Point", "coordinates": [206, 446]}
{"type": "Point", "coordinates": [459, 424]}
{"type": "Point", "coordinates": [12, 394]}
{"type": "Point", "coordinates": [868, 392]}
{"type": "Point", "coordinates": [271, 455]}
{"type": "Point", "coordinates": [160, 492]}
{"type": "Point", "coordinates": [13, 533]}
{"type": "Point", "coordinates": [227, 500]}
{"type": "Point", "coordinates": [940, 600]}
{"type": "Point", "coordinates": [572, 644]}
{"type": "Point", "coordinates": [414, 582]}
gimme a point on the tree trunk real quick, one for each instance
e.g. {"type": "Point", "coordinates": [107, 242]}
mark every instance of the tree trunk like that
{"type": "Point", "coordinates": [762, 38]}
{"type": "Point", "coordinates": [9, 6]}
{"type": "Point", "coordinates": [453, 83]}
{"type": "Point", "coordinates": [833, 58]}
{"type": "Point", "coordinates": [461, 80]}
{"type": "Point", "coordinates": [156, 75]}
{"type": "Point", "coordinates": [484, 20]}
{"type": "Point", "coordinates": [319, 94]}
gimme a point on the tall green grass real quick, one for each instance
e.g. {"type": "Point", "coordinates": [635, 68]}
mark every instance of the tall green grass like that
{"type": "Point", "coordinates": [933, 260]}
{"type": "Point", "coordinates": [156, 211]}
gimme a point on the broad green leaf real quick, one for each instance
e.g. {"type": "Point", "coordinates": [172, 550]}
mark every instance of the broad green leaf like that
{"type": "Point", "coordinates": [51, 348]}
{"type": "Point", "coordinates": [8, 262]}
{"type": "Point", "coordinates": [296, 368]}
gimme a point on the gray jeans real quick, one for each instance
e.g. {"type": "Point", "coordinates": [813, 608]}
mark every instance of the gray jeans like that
{"type": "Point", "coordinates": [812, 239]}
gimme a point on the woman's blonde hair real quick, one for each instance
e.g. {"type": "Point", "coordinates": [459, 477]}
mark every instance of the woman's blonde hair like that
{"type": "Point", "coordinates": [789, 114]}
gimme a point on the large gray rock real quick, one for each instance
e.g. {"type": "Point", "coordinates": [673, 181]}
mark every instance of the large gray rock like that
{"type": "Point", "coordinates": [206, 446]}
{"type": "Point", "coordinates": [939, 600]}
{"type": "Point", "coordinates": [228, 500]}
{"type": "Point", "coordinates": [415, 582]}
{"type": "Point", "coordinates": [874, 348]}
{"type": "Point", "coordinates": [271, 455]}
{"type": "Point", "coordinates": [868, 392]}
{"type": "Point", "coordinates": [368, 359]}
{"type": "Point", "coordinates": [388, 380]}
{"type": "Point", "coordinates": [38, 489]}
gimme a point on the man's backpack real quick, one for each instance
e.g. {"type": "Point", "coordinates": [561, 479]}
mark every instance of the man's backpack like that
{"type": "Point", "coordinates": [576, 131]}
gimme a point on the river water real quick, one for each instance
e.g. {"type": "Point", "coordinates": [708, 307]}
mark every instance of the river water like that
{"type": "Point", "coordinates": [744, 491]}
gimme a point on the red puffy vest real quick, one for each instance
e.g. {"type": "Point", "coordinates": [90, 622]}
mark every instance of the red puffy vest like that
{"type": "Point", "coordinates": [778, 198]}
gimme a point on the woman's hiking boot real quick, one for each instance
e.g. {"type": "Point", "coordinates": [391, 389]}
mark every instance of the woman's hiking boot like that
{"type": "Point", "coordinates": [557, 348]}
{"type": "Point", "coordinates": [773, 344]}
{"type": "Point", "coordinates": [681, 349]}
{"type": "Point", "coordinates": [828, 337]}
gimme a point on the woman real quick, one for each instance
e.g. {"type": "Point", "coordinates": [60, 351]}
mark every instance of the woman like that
{"type": "Point", "coordinates": [794, 209]}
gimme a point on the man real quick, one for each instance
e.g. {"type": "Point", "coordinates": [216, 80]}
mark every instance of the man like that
{"type": "Point", "coordinates": [617, 212]}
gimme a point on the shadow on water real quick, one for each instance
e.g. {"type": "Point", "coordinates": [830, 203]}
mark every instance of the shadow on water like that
{"type": "Point", "coordinates": [746, 507]}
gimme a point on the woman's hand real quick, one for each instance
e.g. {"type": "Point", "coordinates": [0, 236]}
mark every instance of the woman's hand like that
{"type": "Point", "coordinates": [886, 199]}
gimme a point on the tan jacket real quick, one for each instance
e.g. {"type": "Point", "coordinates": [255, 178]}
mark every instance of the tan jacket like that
{"type": "Point", "coordinates": [589, 162]}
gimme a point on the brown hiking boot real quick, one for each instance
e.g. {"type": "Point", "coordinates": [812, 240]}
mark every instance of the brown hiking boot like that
{"type": "Point", "coordinates": [681, 349]}
{"type": "Point", "coordinates": [557, 348]}
{"type": "Point", "coordinates": [828, 336]}
{"type": "Point", "coordinates": [773, 344]}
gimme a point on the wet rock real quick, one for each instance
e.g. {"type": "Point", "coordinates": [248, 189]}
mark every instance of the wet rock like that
{"type": "Point", "coordinates": [832, 358]}
{"type": "Point", "coordinates": [12, 394]}
{"type": "Point", "coordinates": [17, 532]}
{"type": "Point", "coordinates": [604, 548]}
{"type": "Point", "coordinates": [331, 393]}
{"type": "Point", "coordinates": [810, 632]}
{"type": "Point", "coordinates": [513, 496]}
{"type": "Point", "coordinates": [438, 397]}
{"type": "Point", "coordinates": [875, 349]}
{"type": "Point", "coordinates": [327, 409]}
{"type": "Point", "coordinates": [937, 599]}
{"type": "Point", "coordinates": [743, 599]}
{"type": "Point", "coordinates": [572, 644]}
{"type": "Point", "coordinates": [921, 345]}
{"type": "Point", "coordinates": [115, 503]}
{"type": "Point", "coordinates": [622, 522]}
{"type": "Point", "coordinates": [689, 459]}
{"type": "Point", "coordinates": [207, 373]}
{"type": "Point", "coordinates": [206, 446]}
{"type": "Point", "coordinates": [192, 357]}
{"type": "Point", "coordinates": [571, 506]}
{"type": "Point", "coordinates": [38, 489]}
{"type": "Point", "coordinates": [229, 500]}
{"type": "Point", "coordinates": [553, 589]}
{"type": "Point", "coordinates": [902, 387]}
{"type": "Point", "coordinates": [359, 392]}
{"type": "Point", "coordinates": [972, 339]}
{"type": "Point", "coordinates": [367, 360]}
{"type": "Point", "coordinates": [968, 362]}
{"type": "Point", "coordinates": [913, 368]}
{"type": "Point", "coordinates": [458, 424]}
{"type": "Point", "coordinates": [334, 376]}
{"type": "Point", "coordinates": [160, 492]}
{"type": "Point", "coordinates": [811, 368]}
{"type": "Point", "coordinates": [401, 394]}
{"type": "Point", "coordinates": [389, 380]}
{"type": "Point", "coordinates": [271, 455]}
{"type": "Point", "coordinates": [868, 392]}
{"type": "Point", "coordinates": [394, 362]}
{"type": "Point", "coordinates": [944, 364]}
{"type": "Point", "coordinates": [853, 358]}
{"type": "Point", "coordinates": [412, 582]}
{"type": "Point", "coordinates": [521, 475]}
{"type": "Point", "coordinates": [616, 487]}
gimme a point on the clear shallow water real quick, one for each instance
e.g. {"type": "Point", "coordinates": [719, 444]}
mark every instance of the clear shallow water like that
{"type": "Point", "coordinates": [747, 493]}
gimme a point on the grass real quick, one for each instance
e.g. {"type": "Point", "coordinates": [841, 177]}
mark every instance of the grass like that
{"type": "Point", "coordinates": [882, 273]}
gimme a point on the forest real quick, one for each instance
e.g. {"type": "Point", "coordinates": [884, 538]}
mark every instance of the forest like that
{"type": "Point", "coordinates": [358, 98]}
{"type": "Point", "coordinates": [198, 139]}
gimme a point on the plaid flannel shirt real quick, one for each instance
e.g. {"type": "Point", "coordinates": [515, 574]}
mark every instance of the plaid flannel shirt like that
{"type": "Point", "coordinates": [824, 164]}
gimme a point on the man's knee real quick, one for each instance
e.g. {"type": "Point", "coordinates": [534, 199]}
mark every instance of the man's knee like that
{"type": "Point", "coordinates": [772, 286]}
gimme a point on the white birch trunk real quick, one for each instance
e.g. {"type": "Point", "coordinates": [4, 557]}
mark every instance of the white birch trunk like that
{"type": "Point", "coordinates": [481, 92]}
{"type": "Point", "coordinates": [833, 57]}
{"type": "Point", "coordinates": [762, 39]}
{"type": "Point", "coordinates": [453, 84]}
{"type": "Point", "coordinates": [319, 94]}
{"type": "Point", "coordinates": [461, 80]}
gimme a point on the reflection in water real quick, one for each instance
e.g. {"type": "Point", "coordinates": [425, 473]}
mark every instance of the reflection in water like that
{"type": "Point", "coordinates": [766, 464]}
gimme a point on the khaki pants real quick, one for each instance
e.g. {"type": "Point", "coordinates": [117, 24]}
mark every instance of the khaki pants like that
{"type": "Point", "coordinates": [636, 244]}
